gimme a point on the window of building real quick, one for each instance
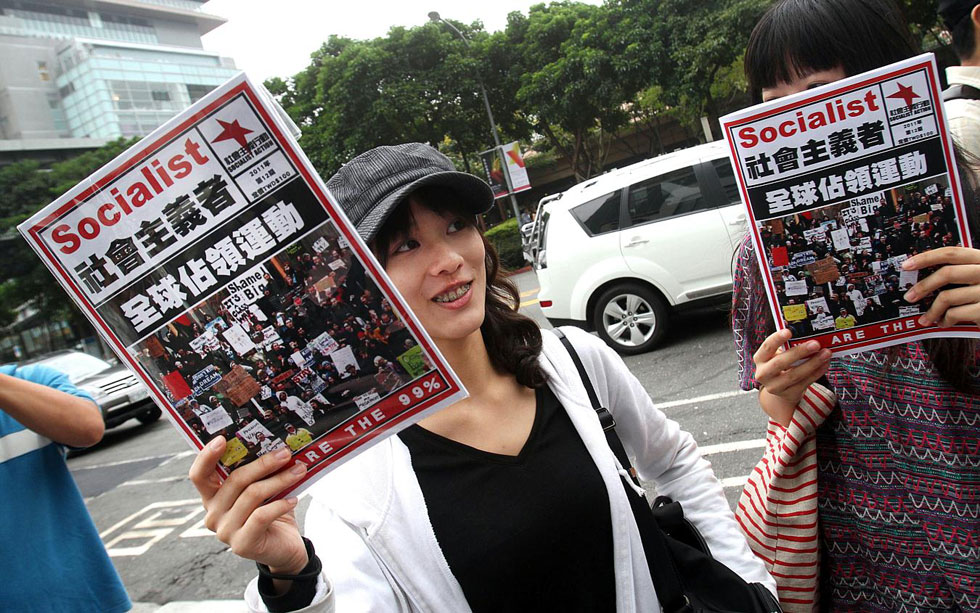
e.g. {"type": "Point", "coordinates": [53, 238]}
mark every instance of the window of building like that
{"type": "Point", "coordinates": [42, 71]}
{"type": "Point", "coordinates": [196, 92]}
{"type": "Point", "coordinates": [63, 22]}
{"type": "Point", "coordinates": [140, 95]}
{"type": "Point", "coordinates": [600, 215]}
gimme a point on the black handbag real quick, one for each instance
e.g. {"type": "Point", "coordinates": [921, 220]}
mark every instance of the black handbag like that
{"type": "Point", "coordinates": [687, 578]}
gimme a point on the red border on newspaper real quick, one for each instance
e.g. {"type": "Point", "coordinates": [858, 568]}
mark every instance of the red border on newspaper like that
{"type": "Point", "coordinates": [857, 338]}
{"type": "Point", "coordinates": [439, 386]}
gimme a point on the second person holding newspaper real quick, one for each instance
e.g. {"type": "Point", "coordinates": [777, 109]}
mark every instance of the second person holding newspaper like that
{"type": "Point", "coordinates": [509, 500]}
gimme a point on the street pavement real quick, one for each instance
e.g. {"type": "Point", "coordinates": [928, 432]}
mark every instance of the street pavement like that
{"type": "Point", "coordinates": [151, 520]}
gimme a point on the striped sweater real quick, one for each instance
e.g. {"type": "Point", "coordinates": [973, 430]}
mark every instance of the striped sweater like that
{"type": "Point", "coordinates": [897, 474]}
{"type": "Point", "coordinates": [778, 507]}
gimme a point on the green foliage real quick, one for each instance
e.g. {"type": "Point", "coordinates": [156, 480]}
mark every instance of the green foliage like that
{"type": "Point", "coordinates": [566, 77]}
{"type": "Point", "coordinates": [26, 187]}
{"type": "Point", "coordinates": [506, 239]}
{"type": "Point", "coordinates": [415, 84]}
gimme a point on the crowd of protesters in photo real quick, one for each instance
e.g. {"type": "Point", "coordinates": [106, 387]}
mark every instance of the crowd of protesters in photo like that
{"type": "Point", "coordinates": [320, 336]}
{"type": "Point", "coordinates": [824, 285]}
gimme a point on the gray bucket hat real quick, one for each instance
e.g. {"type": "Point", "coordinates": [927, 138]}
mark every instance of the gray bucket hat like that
{"type": "Point", "coordinates": [370, 186]}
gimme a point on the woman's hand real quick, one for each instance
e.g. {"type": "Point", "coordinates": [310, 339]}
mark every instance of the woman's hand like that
{"type": "Point", "coordinates": [782, 384]}
{"type": "Point", "coordinates": [266, 533]}
{"type": "Point", "coordinates": [960, 266]}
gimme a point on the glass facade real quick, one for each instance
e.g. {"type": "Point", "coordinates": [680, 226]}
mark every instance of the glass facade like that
{"type": "Point", "coordinates": [37, 19]}
{"type": "Point", "coordinates": [187, 5]}
{"type": "Point", "coordinates": [107, 71]}
{"type": "Point", "coordinates": [112, 91]}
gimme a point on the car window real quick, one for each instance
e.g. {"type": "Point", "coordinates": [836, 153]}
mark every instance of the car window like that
{"type": "Point", "coordinates": [76, 365]}
{"type": "Point", "coordinates": [600, 215]}
{"type": "Point", "coordinates": [723, 167]}
{"type": "Point", "coordinates": [663, 196]}
{"type": "Point", "coordinates": [542, 229]}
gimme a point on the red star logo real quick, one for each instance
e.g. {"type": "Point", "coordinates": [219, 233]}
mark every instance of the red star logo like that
{"type": "Point", "coordinates": [905, 93]}
{"type": "Point", "coordinates": [233, 131]}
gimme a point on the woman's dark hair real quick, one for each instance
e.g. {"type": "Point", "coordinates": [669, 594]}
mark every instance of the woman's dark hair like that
{"type": "Point", "coordinates": [964, 43]}
{"type": "Point", "coordinates": [795, 38]}
{"type": "Point", "coordinates": [955, 358]}
{"type": "Point", "coordinates": [513, 340]}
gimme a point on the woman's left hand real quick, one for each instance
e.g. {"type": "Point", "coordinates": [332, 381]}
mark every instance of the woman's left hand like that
{"type": "Point", "coordinates": [958, 266]}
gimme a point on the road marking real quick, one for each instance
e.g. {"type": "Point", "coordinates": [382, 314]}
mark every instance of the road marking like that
{"type": "Point", "coordinates": [182, 454]}
{"type": "Point", "coordinates": [155, 505]}
{"type": "Point", "coordinates": [758, 443]}
{"type": "Point", "coordinates": [163, 518]}
{"type": "Point", "coordinates": [709, 397]}
{"type": "Point", "coordinates": [191, 606]}
{"type": "Point", "coordinates": [168, 457]}
{"type": "Point", "coordinates": [528, 303]}
{"type": "Point", "coordinates": [530, 291]}
{"type": "Point", "coordinates": [734, 481]}
{"type": "Point", "coordinates": [153, 481]}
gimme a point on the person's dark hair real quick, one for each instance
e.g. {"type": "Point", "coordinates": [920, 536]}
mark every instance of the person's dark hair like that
{"type": "Point", "coordinates": [963, 40]}
{"type": "Point", "coordinates": [513, 340]}
{"type": "Point", "coordinates": [955, 358]}
{"type": "Point", "coordinates": [798, 37]}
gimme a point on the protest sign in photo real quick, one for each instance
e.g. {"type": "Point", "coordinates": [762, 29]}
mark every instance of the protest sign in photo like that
{"type": "Point", "coordinates": [214, 262]}
{"type": "Point", "coordinates": [842, 184]}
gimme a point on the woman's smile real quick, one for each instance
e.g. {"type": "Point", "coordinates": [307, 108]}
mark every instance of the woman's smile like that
{"type": "Point", "coordinates": [456, 297]}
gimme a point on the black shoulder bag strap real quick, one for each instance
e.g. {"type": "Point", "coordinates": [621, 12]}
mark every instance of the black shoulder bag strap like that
{"type": "Point", "coordinates": [960, 91]}
{"type": "Point", "coordinates": [662, 570]}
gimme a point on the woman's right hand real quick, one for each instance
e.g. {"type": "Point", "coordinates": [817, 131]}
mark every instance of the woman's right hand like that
{"type": "Point", "coordinates": [265, 533]}
{"type": "Point", "coordinates": [781, 383]}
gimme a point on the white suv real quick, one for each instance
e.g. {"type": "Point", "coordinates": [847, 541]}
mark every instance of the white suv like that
{"type": "Point", "coordinates": [618, 252]}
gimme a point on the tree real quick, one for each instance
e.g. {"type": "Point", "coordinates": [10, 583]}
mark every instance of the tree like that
{"type": "Point", "coordinates": [25, 188]}
{"type": "Point", "coordinates": [415, 84]}
{"type": "Point", "coordinates": [561, 66]}
{"type": "Point", "coordinates": [568, 77]}
{"type": "Point", "coordinates": [689, 48]}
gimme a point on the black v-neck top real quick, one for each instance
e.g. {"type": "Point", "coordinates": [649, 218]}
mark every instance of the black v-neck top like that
{"type": "Point", "coordinates": [530, 532]}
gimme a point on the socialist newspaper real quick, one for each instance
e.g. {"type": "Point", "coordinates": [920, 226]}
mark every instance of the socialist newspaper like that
{"type": "Point", "coordinates": [212, 259]}
{"type": "Point", "coordinates": [842, 184]}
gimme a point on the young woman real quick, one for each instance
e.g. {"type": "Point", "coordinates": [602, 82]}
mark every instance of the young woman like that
{"type": "Point", "coordinates": [509, 500]}
{"type": "Point", "coordinates": [897, 473]}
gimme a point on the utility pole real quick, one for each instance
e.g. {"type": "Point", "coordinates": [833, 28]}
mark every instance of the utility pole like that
{"type": "Point", "coordinates": [434, 16]}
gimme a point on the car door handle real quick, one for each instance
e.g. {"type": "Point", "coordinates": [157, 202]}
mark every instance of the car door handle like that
{"type": "Point", "coordinates": [635, 241]}
{"type": "Point", "coordinates": [738, 220]}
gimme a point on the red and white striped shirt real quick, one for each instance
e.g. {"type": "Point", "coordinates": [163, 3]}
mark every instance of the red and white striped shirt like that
{"type": "Point", "coordinates": [778, 507]}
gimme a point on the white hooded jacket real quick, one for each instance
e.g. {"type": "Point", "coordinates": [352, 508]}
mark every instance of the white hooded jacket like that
{"type": "Point", "coordinates": [369, 524]}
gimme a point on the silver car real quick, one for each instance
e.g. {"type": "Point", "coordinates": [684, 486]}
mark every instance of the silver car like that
{"type": "Point", "coordinates": [118, 392]}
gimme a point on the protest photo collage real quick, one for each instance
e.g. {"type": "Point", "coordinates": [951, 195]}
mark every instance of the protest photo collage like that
{"type": "Point", "coordinates": [839, 266]}
{"type": "Point", "coordinates": [289, 351]}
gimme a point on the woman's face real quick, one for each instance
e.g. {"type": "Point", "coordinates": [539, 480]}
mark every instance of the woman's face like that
{"type": "Point", "coordinates": [799, 84]}
{"type": "Point", "coordinates": [438, 266]}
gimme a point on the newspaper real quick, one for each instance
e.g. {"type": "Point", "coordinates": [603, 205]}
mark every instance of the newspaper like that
{"type": "Point", "coordinates": [841, 184]}
{"type": "Point", "coordinates": [213, 260]}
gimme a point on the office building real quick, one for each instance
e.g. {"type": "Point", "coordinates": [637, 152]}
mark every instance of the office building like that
{"type": "Point", "coordinates": [75, 74]}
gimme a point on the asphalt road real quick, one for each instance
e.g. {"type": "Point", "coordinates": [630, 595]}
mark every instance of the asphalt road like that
{"type": "Point", "coordinates": [150, 519]}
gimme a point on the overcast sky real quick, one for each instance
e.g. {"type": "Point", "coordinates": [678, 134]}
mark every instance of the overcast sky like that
{"type": "Point", "coordinates": [276, 37]}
